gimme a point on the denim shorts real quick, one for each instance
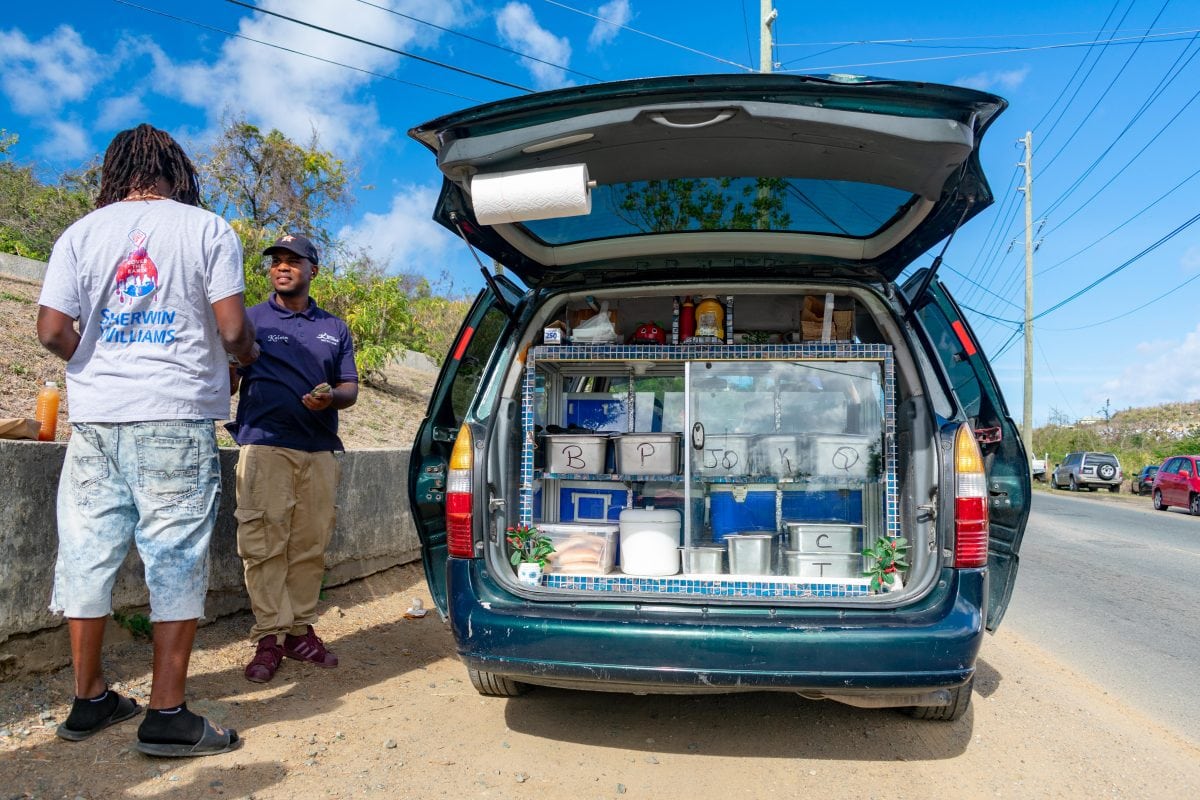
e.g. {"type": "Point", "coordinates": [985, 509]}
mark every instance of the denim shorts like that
{"type": "Point", "coordinates": [156, 484]}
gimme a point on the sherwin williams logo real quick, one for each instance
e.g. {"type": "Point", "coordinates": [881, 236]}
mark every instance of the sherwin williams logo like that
{"type": "Point", "coordinates": [328, 338]}
{"type": "Point", "coordinates": [137, 276]}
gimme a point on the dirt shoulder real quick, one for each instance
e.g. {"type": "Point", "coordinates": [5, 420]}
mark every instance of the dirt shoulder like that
{"type": "Point", "coordinates": [398, 718]}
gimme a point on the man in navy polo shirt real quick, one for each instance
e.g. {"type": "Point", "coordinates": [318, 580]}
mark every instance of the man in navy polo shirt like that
{"type": "Point", "coordinates": [287, 473]}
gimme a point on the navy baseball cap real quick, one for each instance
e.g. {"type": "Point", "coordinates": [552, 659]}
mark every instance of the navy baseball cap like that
{"type": "Point", "coordinates": [294, 243]}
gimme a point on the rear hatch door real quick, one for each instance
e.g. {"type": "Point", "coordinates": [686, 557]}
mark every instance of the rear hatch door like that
{"type": "Point", "coordinates": [794, 175]}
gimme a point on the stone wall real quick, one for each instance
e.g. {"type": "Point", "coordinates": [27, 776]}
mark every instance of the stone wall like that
{"type": "Point", "coordinates": [374, 532]}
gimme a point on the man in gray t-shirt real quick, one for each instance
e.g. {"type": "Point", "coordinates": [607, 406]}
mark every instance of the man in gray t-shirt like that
{"type": "Point", "coordinates": [155, 284]}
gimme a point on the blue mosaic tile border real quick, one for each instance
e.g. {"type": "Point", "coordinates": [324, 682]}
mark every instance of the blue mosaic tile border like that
{"type": "Point", "coordinates": [686, 585]}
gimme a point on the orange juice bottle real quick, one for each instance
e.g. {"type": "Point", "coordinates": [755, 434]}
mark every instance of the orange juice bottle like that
{"type": "Point", "coordinates": [47, 411]}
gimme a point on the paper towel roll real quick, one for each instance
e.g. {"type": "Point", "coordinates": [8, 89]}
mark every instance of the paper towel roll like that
{"type": "Point", "coordinates": [521, 195]}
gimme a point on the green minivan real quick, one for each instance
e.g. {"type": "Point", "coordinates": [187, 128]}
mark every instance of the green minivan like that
{"type": "Point", "coordinates": [697, 434]}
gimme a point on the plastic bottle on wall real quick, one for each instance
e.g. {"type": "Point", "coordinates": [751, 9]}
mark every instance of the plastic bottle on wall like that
{"type": "Point", "coordinates": [46, 411]}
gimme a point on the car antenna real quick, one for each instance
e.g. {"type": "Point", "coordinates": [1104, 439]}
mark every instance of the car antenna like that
{"type": "Point", "coordinates": [505, 306]}
{"type": "Point", "coordinates": [916, 303]}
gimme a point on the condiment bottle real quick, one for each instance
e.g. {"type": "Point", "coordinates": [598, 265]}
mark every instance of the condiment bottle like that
{"type": "Point", "coordinates": [46, 411]}
{"type": "Point", "coordinates": [710, 318]}
{"type": "Point", "coordinates": [687, 320]}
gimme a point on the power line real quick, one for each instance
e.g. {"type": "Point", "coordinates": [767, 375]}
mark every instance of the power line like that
{"type": "Point", "coordinates": [1146, 208]}
{"type": "Point", "coordinates": [1091, 69]}
{"type": "Point", "coordinates": [909, 39]}
{"type": "Point", "coordinates": [1168, 237]}
{"type": "Point", "coordinates": [1132, 310]}
{"type": "Point", "coordinates": [650, 35]}
{"type": "Point", "coordinates": [1096, 104]}
{"type": "Point", "coordinates": [294, 52]}
{"type": "Point", "coordinates": [1117, 40]}
{"type": "Point", "coordinates": [369, 43]}
{"type": "Point", "coordinates": [477, 40]}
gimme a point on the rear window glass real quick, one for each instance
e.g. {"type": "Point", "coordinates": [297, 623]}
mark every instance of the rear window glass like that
{"type": "Point", "coordinates": [794, 205]}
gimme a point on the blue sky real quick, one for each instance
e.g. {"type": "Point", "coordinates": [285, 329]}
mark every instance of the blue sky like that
{"type": "Point", "coordinates": [1108, 89]}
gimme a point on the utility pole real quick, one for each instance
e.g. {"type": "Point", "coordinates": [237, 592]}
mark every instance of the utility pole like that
{"type": "Point", "coordinates": [1027, 426]}
{"type": "Point", "coordinates": [767, 17]}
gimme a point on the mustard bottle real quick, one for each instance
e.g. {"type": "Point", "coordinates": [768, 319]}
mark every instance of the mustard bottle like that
{"type": "Point", "coordinates": [710, 317]}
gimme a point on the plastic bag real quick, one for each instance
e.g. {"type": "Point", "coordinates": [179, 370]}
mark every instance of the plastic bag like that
{"type": "Point", "coordinates": [596, 330]}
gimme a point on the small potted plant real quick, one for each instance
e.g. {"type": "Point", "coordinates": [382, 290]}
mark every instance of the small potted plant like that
{"type": "Point", "coordinates": [530, 550]}
{"type": "Point", "coordinates": [887, 560]}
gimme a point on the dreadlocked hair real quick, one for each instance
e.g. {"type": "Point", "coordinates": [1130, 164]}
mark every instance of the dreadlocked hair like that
{"type": "Point", "coordinates": [137, 158]}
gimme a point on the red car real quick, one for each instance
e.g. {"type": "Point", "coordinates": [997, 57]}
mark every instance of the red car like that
{"type": "Point", "coordinates": [1178, 484]}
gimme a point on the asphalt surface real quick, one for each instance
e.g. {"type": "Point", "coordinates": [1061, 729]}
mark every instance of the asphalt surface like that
{"type": "Point", "coordinates": [1109, 587]}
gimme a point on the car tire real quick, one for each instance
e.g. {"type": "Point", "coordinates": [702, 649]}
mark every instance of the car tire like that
{"type": "Point", "coordinates": [960, 701]}
{"type": "Point", "coordinates": [1116, 487]}
{"type": "Point", "coordinates": [1159, 505]}
{"type": "Point", "coordinates": [1074, 485]}
{"type": "Point", "coordinates": [1194, 505]}
{"type": "Point", "coordinates": [489, 684]}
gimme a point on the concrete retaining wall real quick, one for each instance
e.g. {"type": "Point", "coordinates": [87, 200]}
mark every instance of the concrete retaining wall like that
{"type": "Point", "coordinates": [25, 269]}
{"type": "Point", "coordinates": [374, 532]}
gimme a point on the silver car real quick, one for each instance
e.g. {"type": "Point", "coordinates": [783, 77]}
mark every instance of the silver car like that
{"type": "Point", "coordinates": [1087, 470]}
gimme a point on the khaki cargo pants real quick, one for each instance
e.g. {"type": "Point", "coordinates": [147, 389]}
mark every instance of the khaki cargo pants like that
{"type": "Point", "coordinates": [286, 514]}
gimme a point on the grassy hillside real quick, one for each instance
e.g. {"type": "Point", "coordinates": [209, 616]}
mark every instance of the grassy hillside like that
{"type": "Point", "coordinates": [1138, 436]}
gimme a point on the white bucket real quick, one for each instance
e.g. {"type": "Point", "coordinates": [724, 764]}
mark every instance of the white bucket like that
{"type": "Point", "coordinates": [650, 541]}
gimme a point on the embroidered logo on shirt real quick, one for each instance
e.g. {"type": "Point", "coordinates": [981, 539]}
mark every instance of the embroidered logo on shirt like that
{"type": "Point", "coordinates": [277, 337]}
{"type": "Point", "coordinates": [328, 338]}
{"type": "Point", "coordinates": [137, 276]}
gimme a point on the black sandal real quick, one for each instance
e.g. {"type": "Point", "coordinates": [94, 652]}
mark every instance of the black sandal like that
{"type": "Point", "coordinates": [125, 709]}
{"type": "Point", "coordinates": [214, 740]}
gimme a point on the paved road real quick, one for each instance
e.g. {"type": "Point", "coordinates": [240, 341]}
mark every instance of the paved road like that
{"type": "Point", "coordinates": [1112, 589]}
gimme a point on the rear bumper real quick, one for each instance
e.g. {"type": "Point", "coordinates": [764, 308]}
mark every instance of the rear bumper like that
{"type": "Point", "coordinates": [623, 646]}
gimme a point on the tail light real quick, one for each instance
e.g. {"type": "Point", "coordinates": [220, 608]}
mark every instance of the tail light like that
{"type": "Point", "coordinates": [459, 540]}
{"type": "Point", "coordinates": [970, 502]}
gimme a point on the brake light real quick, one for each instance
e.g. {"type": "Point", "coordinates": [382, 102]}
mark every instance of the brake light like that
{"type": "Point", "coordinates": [459, 540]}
{"type": "Point", "coordinates": [970, 502]}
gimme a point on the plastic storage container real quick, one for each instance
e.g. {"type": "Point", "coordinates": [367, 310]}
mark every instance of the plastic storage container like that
{"type": "Point", "coordinates": [575, 453]}
{"type": "Point", "coordinates": [648, 453]}
{"type": "Point", "coordinates": [841, 455]}
{"type": "Point", "coordinates": [583, 548]}
{"type": "Point", "coordinates": [46, 411]}
{"type": "Point", "coordinates": [650, 541]}
{"type": "Point", "coordinates": [737, 509]}
{"type": "Point", "coordinates": [781, 455]}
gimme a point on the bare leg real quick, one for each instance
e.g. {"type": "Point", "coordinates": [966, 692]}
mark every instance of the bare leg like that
{"type": "Point", "coordinates": [87, 637]}
{"type": "Point", "coordinates": [172, 651]}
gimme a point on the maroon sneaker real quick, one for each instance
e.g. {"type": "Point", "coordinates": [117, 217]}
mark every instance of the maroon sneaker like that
{"type": "Point", "coordinates": [267, 659]}
{"type": "Point", "coordinates": [310, 648]}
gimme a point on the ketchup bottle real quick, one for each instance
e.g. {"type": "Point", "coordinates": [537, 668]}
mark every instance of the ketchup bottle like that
{"type": "Point", "coordinates": [687, 320]}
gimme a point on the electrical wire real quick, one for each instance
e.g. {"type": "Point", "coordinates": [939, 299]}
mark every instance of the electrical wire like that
{"type": "Point", "coordinates": [746, 28]}
{"type": "Point", "coordinates": [1146, 208]}
{"type": "Point", "coordinates": [1108, 88]}
{"type": "Point", "coordinates": [650, 36]}
{"type": "Point", "coordinates": [1167, 293]}
{"type": "Point", "coordinates": [1163, 240]}
{"type": "Point", "coordinates": [1159, 39]}
{"type": "Point", "coordinates": [295, 52]}
{"type": "Point", "coordinates": [909, 39]}
{"type": "Point", "coordinates": [1058, 203]}
{"type": "Point", "coordinates": [369, 43]}
{"type": "Point", "coordinates": [477, 40]}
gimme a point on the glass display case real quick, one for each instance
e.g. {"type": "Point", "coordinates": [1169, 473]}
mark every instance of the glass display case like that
{"type": "Point", "coordinates": [780, 459]}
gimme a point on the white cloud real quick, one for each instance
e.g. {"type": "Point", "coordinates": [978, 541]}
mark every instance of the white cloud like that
{"type": "Point", "coordinates": [120, 112]}
{"type": "Point", "coordinates": [405, 238]}
{"type": "Point", "coordinates": [298, 95]}
{"type": "Point", "coordinates": [520, 31]}
{"type": "Point", "coordinates": [995, 81]}
{"type": "Point", "coordinates": [1191, 258]}
{"type": "Point", "coordinates": [616, 12]}
{"type": "Point", "coordinates": [39, 77]}
{"type": "Point", "coordinates": [1169, 372]}
{"type": "Point", "coordinates": [66, 142]}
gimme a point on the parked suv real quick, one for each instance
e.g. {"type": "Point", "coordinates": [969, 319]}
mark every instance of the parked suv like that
{"type": "Point", "coordinates": [709, 492]}
{"type": "Point", "coordinates": [1089, 471]}
{"type": "Point", "coordinates": [1178, 484]}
